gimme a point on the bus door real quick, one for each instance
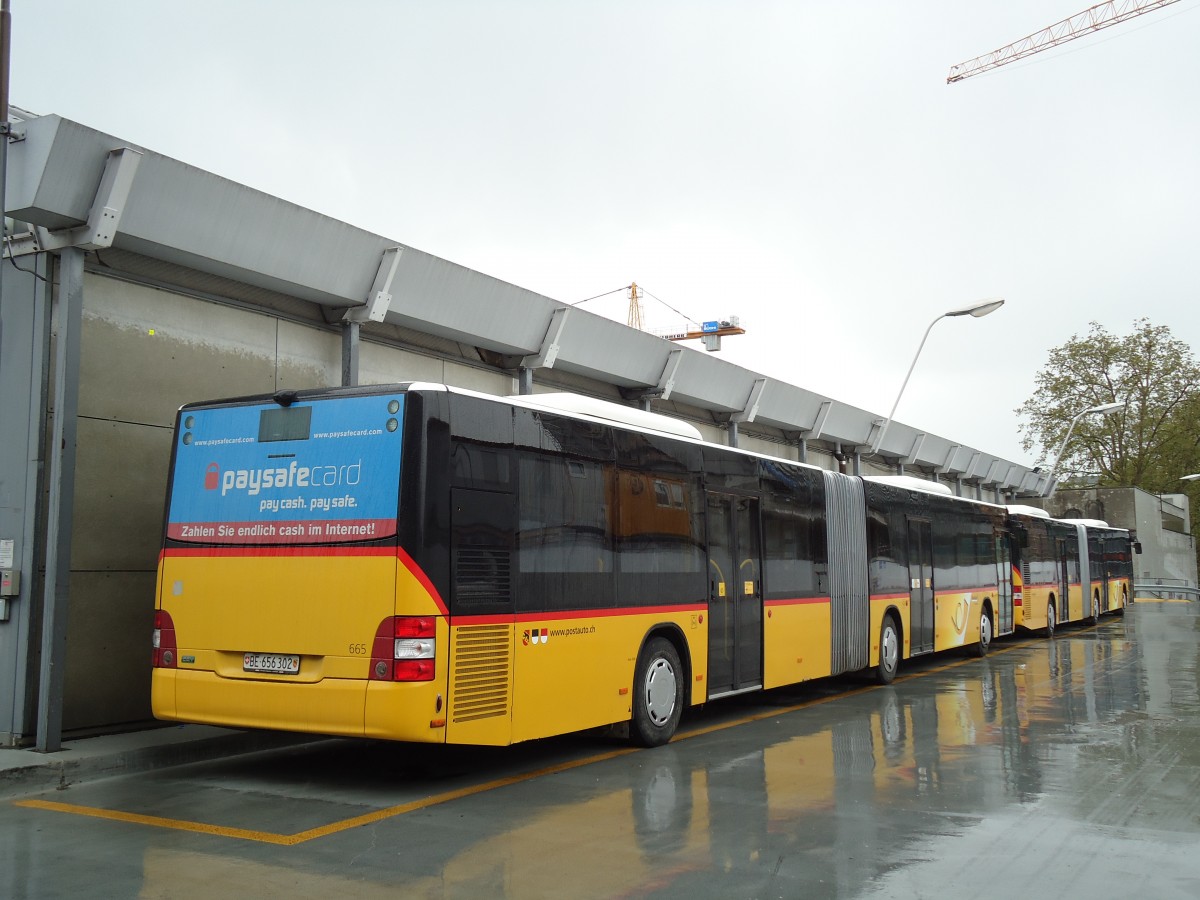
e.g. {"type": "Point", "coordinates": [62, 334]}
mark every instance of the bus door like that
{"type": "Point", "coordinates": [1102, 572]}
{"type": "Point", "coordinates": [735, 602]}
{"type": "Point", "coordinates": [1098, 561]}
{"type": "Point", "coordinates": [1064, 584]}
{"type": "Point", "coordinates": [1004, 584]}
{"type": "Point", "coordinates": [920, 579]}
{"type": "Point", "coordinates": [1084, 570]}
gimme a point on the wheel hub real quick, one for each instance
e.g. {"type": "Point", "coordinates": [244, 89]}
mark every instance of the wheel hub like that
{"type": "Point", "coordinates": [660, 691]}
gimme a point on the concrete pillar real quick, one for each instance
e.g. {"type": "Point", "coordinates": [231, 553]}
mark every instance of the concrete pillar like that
{"type": "Point", "coordinates": [24, 355]}
{"type": "Point", "coordinates": [61, 506]}
{"type": "Point", "coordinates": [350, 342]}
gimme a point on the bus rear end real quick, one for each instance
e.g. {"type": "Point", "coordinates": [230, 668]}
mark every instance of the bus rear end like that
{"type": "Point", "coordinates": [283, 600]}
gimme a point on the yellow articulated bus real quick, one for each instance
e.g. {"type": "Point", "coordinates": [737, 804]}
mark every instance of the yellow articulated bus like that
{"type": "Point", "coordinates": [421, 563]}
{"type": "Point", "coordinates": [1067, 570]}
{"type": "Point", "coordinates": [1110, 554]}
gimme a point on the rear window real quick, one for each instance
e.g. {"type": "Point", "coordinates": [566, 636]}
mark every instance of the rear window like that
{"type": "Point", "coordinates": [316, 472]}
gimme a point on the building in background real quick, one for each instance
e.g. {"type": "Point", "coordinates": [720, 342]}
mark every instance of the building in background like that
{"type": "Point", "coordinates": [1160, 524]}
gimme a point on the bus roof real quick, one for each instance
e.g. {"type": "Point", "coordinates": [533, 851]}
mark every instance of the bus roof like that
{"type": "Point", "coordinates": [1037, 512]}
{"type": "Point", "coordinates": [912, 483]}
{"type": "Point", "coordinates": [579, 404]}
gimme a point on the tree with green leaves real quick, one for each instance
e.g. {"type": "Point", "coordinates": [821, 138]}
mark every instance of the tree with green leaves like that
{"type": "Point", "coordinates": [1149, 443]}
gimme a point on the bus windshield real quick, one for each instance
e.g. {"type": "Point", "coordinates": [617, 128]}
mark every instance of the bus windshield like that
{"type": "Point", "coordinates": [315, 472]}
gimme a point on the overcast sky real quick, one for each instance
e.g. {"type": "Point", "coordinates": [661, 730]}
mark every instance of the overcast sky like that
{"type": "Point", "coordinates": [801, 165]}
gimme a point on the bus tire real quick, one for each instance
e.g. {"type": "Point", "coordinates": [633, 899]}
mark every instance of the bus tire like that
{"type": "Point", "coordinates": [1050, 623]}
{"type": "Point", "coordinates": [985, 633]}
{"type": "Point", "coordinates": [889, 651]}
{"type": "Point", "coordinates": [657, 693]}
{"type": "Point", "coordinates": [1094, 618]}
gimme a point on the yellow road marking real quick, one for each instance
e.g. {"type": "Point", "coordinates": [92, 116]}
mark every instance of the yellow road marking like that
{"type": "Point", "coordinates": [288, 840]}
{"type": "Point", "coordinates": [156, 821]}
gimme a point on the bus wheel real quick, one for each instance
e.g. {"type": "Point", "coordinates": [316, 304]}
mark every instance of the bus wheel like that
{"type": "Point", "coordinates": [1050, 620]}
{"type": "Point", "coordinates": [889, 651]}
{"type": "Point", "coordinates": [985, 634]}
{"type": "Point", "coordinates": [1095, 618]}
{"type": "Point", "coordinates": [658, 693]}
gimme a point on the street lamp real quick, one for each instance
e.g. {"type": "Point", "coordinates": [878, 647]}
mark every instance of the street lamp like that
{"type": "Point", "coordinates": [1190, 477]}
{"type": "Point", "coordinates": [978, 310]}
{"type": "Point", "coordinates": [1104, 408]}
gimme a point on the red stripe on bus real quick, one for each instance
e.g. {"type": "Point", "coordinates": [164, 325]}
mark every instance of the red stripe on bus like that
{"type": "Point", "coordinates": [277, 550]}
{"type": "Point", "coordinates": [555, 615]}
{"type": "Point", "coordinates": [418, 573]}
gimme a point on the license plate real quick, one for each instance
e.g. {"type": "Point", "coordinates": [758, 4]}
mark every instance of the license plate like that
{"type": "Point", "coordinates": [273, 663]}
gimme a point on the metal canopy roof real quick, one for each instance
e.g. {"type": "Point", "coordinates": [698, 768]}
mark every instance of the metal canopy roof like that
{"type": "Point", "coordinates": [179, 214]}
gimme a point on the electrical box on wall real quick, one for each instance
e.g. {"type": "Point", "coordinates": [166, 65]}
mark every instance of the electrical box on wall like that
{"type": "Point", "coordinates": [10, 586]}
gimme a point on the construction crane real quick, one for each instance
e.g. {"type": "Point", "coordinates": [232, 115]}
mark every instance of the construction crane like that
{"type": "Point", "coordinates": [635, 307]}
{"type": "Point", "coordinates": [708, 332]}
{"type": "Point", "coordinates": [1103, 15]}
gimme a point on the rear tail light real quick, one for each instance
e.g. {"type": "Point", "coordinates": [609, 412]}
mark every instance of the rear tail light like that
{"type": "Point", "coordinates": [405, 649]}
{"type": "Point", "coordinates": [166, 653]}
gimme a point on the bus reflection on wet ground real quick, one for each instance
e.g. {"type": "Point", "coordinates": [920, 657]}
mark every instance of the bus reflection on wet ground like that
{"type": "Point", "coordinates": [1066, 767]}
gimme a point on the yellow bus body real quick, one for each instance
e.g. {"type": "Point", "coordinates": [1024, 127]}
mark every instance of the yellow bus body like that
{"type": "Point", "coordinates": [956, 616]}
{"type": "Point", "coordinates": [327, 608]}
{"type": "Point", "coordinates": [324, 607]}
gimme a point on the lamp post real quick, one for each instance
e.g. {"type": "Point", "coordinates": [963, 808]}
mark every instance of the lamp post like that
{"type": "Point", "coordinates": [977, 310]}
{"type": "Point", "coordinates": [1104, 408]}
{"type": "Point", "coordinates": [1190, 477]}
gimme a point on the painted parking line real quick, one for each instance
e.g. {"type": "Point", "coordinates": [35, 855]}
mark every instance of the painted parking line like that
{"type": "Point", "coordinates": [287, 840]}
{"type": "Point", "coordinates": [268, 837]}
{"type": "Point", "coordinates": [114, 815]}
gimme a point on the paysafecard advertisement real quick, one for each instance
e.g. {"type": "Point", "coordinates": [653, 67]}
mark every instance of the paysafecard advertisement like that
{"type": "Point", "coordinates": [234, 485]}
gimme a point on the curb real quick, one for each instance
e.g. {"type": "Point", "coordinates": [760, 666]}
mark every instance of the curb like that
{"type": "Point", "coordinates": [30, 772]}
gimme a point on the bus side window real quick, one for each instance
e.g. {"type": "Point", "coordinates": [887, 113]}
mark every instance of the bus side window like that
{"type": "Point", "coordinates": [481, 467]}
{"type": "Point", "coordinates": [564, 539]}
{"type": "Point", "coordinates": [787, 549]}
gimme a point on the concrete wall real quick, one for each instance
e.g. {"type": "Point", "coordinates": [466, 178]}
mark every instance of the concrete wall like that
{"type": "Point", "coordinates": [1169, 554]}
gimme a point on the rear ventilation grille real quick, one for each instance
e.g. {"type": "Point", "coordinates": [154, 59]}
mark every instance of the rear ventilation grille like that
{"type": "Point", "coordinates": [483, 575]}
{"type": "Point", "coordinates": [482, 660]}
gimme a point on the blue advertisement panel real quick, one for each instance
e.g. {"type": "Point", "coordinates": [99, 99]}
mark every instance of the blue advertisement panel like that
{"type": "Point", "coordinates": [324, 471]}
